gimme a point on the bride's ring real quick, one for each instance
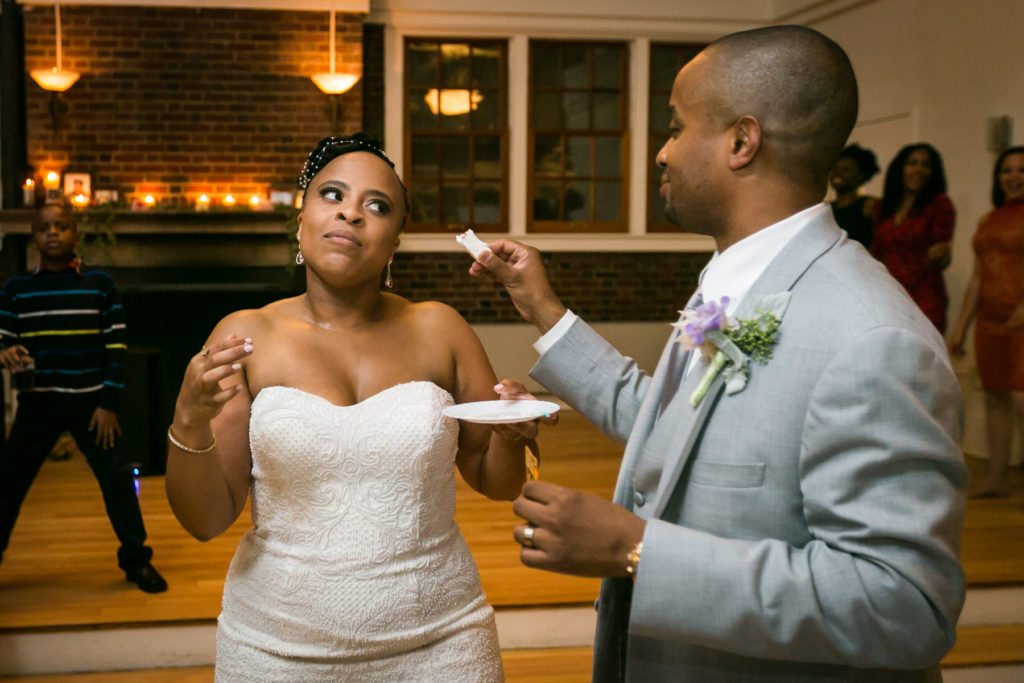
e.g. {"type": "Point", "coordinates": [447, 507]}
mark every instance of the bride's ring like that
{"type": "Point", "coordinates": [528, 532]}
{"type": "Point", "coordinates": [204, 351]}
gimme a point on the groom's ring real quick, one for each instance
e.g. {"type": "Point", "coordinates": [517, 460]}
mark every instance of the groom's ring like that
{"type": "Point", "coordinates": [528, 532]}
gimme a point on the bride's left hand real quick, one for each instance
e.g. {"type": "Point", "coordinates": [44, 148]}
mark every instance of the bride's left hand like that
{"type": "Point", "coordinates": [513, 390]}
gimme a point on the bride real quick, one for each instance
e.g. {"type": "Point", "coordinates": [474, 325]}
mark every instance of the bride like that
{"type": "Point", "coordinates": [328, 407]}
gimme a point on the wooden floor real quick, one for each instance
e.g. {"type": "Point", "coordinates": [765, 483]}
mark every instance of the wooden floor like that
{"type": "Point", "coordinates": [60, 569]}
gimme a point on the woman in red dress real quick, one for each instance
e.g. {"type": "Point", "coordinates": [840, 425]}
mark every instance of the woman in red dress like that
{"type": "Point", "coordinates": [914, 226]}
{"type": "Point", "coordinates": [995, 300]}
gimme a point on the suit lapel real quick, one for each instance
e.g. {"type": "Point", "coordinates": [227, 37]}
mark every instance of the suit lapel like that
{"type": "Point", "coordinates": [781, 275]}
{"type": "Point", "coordinates": [673, 356]}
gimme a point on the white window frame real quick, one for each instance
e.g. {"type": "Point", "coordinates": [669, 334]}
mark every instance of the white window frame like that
{"type": "Point", "coordinates": [636, 239]}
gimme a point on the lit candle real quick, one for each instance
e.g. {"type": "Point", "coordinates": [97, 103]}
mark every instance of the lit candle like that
{"type": "Point", "coordinates": [149, 200]}
{"type": "Point", "coordinates": [254, 201]}
{"type": "Point", "coordinates": [229, 200]}
{"type": "Point", "coordinates": [80, 201]}
{"type": "Point", "coordinates": [28, 193]}
{"type": "Point", "coordinates": [203, 202]}
{"type": "Point", "coordinates": [52, 180]}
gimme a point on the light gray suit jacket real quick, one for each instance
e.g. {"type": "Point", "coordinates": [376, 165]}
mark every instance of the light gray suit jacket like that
{"type": "Point", "coordinates": [806, 527]}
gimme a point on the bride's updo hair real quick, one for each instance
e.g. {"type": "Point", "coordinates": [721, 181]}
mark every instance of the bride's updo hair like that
{"type": "Point", "coordinates": [329, 149]}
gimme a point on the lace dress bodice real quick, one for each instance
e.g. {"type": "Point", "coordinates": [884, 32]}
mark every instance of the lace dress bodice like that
{"type": "Point", "coordinates": [354, 561]}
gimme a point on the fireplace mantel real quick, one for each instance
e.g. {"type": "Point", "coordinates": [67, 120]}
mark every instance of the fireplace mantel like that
{"type": "Point", "coordinates": [149, 239]}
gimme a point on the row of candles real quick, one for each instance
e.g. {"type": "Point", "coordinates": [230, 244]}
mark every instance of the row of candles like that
{"type": "Point", "coordinates": [202, 202]}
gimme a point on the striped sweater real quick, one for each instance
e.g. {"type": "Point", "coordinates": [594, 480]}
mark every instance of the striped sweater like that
{"type": "Point", "coordinates": [72, 323]}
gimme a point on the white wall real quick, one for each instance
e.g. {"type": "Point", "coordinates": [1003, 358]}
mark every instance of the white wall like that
{"type": "Point", "coordinates": [510, 347]}
{"type": "Point", "coordinates": [936, 71]}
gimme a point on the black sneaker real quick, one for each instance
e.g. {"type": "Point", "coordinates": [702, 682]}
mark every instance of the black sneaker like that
{"type": "Point", "coordinates": [148, 579]}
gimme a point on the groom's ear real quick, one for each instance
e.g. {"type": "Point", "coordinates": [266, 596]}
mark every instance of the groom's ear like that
{"type": "Point", "coordinates": [746, 138]}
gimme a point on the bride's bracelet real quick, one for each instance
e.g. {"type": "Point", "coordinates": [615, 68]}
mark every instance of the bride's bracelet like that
{"type": "Point", "coordinates": [174, 440]}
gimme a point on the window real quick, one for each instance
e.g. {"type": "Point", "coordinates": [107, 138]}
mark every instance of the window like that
{"type": "Point", "coordinates": [666, 61]}
{"type": "Point", "coordinates": [577, 137]}
{"type": "Point", "coordinates": [456, 134]}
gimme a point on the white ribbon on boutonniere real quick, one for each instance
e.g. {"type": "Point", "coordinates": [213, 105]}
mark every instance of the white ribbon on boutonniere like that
{"type": "Point", "coordinates": [729, 346]}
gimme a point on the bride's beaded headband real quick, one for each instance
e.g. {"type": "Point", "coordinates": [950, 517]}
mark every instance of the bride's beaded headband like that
{"type": "Point", "coordinates": [335, 146]}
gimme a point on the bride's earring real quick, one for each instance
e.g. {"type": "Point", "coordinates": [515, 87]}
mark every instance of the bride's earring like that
{"type": "Point", "coordinates": [299, 258]}
{"type": "Point", "coordinates": [388, 282]}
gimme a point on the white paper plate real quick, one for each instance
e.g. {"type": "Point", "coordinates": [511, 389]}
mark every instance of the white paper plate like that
{"type": "Point", "coordinates": [501, 412]}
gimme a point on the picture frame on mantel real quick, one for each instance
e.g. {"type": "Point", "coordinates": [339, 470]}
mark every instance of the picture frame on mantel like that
{"type": "Point", "coordinates": [77, 184]}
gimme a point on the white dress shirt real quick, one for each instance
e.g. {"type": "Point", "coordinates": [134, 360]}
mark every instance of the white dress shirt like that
{"type": "Point", "coordinates": [730, 273]}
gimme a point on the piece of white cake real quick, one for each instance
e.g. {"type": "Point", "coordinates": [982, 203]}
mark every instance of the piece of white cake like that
{"type": "Point", "coordinates": [471, 243]}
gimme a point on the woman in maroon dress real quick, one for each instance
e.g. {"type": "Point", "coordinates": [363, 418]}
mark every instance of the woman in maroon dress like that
{"type": "Point", "coordinates": [914, 226]}
{"type": "Point", "coordinates": [995, 300]}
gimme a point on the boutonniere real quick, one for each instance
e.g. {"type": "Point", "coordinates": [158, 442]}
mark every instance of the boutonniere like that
{"type": "Point", "coordinates": [731, 345]}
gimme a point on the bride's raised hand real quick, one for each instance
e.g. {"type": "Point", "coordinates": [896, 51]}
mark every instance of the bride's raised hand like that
{"type": "Point", "coordinates": [202, 397]}
{"type": "Point", "coordinates": [514, 390]}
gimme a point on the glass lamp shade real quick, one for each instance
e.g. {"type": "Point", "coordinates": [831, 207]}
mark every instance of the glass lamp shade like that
{"type": "Point", "coordinates": [335, 83]}
{"type": "Point", "coordinates": [452, 102]}
{"type": "Point", "coordinates": [54, 80]}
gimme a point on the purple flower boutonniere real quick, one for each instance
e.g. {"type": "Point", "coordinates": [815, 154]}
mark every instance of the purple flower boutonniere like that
{"type": "Point", "coordinates": [730, 345]}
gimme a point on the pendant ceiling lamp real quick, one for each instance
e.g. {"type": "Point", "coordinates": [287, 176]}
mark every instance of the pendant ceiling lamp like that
{"type": "Point", "coordinates": [56, 79]}
{"type": "Point", "coordinates": [334, 83]}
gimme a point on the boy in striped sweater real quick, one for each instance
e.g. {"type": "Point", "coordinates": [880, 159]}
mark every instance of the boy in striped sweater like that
{"type": "Point", "coordinates": [67, 322]}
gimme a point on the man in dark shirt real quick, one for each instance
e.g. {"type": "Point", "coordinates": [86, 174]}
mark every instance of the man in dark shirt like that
{"type": "Point", "coordinates": [62, 333]}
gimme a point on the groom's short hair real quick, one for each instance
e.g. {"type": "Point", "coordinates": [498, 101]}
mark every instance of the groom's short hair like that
{"type": "Point", "coordinates": [797, 83]}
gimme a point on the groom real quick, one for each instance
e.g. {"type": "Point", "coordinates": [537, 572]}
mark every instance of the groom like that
{"type": "Point", "coordinates": [805, 527]}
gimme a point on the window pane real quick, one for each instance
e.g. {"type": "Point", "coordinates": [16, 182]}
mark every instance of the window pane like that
{"type": "Point", "coordinates": [664, 66]}
{"type": "Point", "coordinates": [420, 114]}
{"type": "Point", "coordinates": [577, 202]}
{"type": "Point", "coordinates": [547, 155]}
{"type": "Point", "coordinates": [655, 202]}
{"type": "Point", "coordinates": [575, 72]}
{"type": "Point", "coordinates": [544, 69]}
{"type": "Point", "coordinates": [568, 152]}
{"type": "Point", "coordinates": [487, 112]}
{"type": "Point", "coordinates": [577, 110]}
{"type": "Point", "coordinates": [456, 204]}
{"type": "Point", "coordinates": [422, 63]}
{"type": "Point", "coordinates": [606, 111]}
{"type": "Point", "coordinates": [487, 157]}
{"type": "Point", "coordinates": [455, 123]}
{"type": "Point", "coordinates": [607, 67]}
{"type": "Point", "coordinates": [607, 201]}
{"type": "Point", "coordinates": [487, 203]}
{"type": "Point", "coordinates": [455, 65]}
{"type": "Point", "coordinates": [424, 157]}
{"type": "Point", "coordinates": [486, 67]}
{"type": "Point", "coordinates": [607, 157]}
{"type": "Point", "coordinates": [578, 161]}
{"type": "Point", "coordinates": [658, 116]}
{"type": "Point", "coordinates": [666, 60]}
{"type": "Point", "coordinates": [456, 157]}
{"type": "Point", "coordinates": [547, 109]}
{"type": "Point", "coordinates": [546, 204]}
{"type": "Point", "coordinates": [424, 204]}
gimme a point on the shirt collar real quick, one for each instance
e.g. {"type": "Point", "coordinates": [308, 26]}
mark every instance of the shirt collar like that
{"type": "Point", "coordinates": [75, 264]}
{"type": "Point", "coordinates": [734, 271]}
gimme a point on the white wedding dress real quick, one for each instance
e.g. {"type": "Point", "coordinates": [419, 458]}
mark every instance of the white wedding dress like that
{"type": "Point", "coordinates": [354, 569]}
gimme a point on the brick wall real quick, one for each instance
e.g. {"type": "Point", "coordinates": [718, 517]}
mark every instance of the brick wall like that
{"type": "Point", "coordinates": [601, 287]}
{"type": "Point", "coordinates": [183, 101]}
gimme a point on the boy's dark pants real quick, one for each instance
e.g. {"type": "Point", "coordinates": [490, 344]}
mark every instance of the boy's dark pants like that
{"type": "Point", "coordinates": [37, 426]}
